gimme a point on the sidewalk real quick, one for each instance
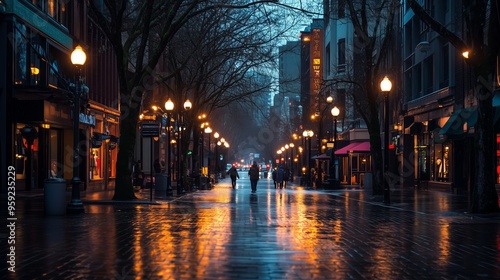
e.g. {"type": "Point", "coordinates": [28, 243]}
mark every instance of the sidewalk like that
{"type": "Point", "coordinates": [411, 199]}
{"type": "Point", "coordinates": [225, 233]}
{"type": "Point", "coordinates": [436, 202]}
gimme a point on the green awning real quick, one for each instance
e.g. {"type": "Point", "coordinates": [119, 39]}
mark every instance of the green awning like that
{"type": "Point", "coordinates": [455, 124]}
{"type": "Point", "coordinates": [496, 99]}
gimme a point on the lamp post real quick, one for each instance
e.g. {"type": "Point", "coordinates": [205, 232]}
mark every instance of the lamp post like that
{"type": "Point", "coordinates": [283, 150]}
{"type": "Point", "coordinates": [216, 153]}
{"type": "Point", "coordinates": [180, 156]}
{"type": "Point", "coordinates": [221, 156]}
{"type": "Point", "coordinates": [308, 134]}
{"type": "Point", "coordinates": [169, 106]}
{"type": "Point", "coordinates": [208, 130]}
{"type": "Point", "coordinates": [333, 170]}
{"type": "Point", "coordinates": [385, 87]}
{"type": "Point", "coordinates": [286, 155]}
{"type": "Point", "coordinates": [201, 159]}
{"type": "Point", "coordinates": [291, 161]}
{"type": "Point", "coordinates": [78, 58]}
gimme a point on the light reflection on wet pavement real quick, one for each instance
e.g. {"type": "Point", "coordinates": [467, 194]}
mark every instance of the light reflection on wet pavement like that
{"type": "Point", "coordinates": [274, 234]}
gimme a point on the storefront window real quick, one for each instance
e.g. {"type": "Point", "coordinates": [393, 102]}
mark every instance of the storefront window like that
{"type": "Point", "coordinates": [422, 163]}
{"type": "Point", "coordinates": [29, 50]}
{"type": "Point", "coordinates": [36, 52]}
{"type": "Point", "coordinates": [55, 8]}
{"type": "Point", "coordinates": [95, 164]}
{"type": "Point", "coordinates": [20, 54]}
{"type": "Point", "coordinates": [421, 160]}
{"type": "Point", "coordinates": [27, 154]}
{"type": "Point", "coordinates": [442, 162]}
{"type": "Point", "coordinates": [55, 155]}
{"type": "Point", "coordinates": [112, 150]}
{"type": "Point", "coordinates": [364, 162]}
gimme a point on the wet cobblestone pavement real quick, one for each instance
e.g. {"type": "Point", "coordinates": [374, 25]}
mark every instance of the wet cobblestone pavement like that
{"type": "Point", "coordinates": [290, 233]}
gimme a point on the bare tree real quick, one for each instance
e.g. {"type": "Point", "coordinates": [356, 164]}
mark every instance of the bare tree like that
{"type": "Point", "coordinates": [139, 32]}
{"type": "Point", "coordinates": [374, 24]}
{"type": "Point", "coordinates": [216, 61]}
{"type": "Point", "coordinates": [481, 40]}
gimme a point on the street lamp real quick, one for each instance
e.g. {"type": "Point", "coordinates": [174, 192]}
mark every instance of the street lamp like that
{"type": "Point", "coordinates": [329, 99]}
{"type": "Point", "coordinates": [385, 87]}
{"type": "Point", "coordinates": [78, 58]}
{"type": "Point", "coordinates": [208, 130]}
{"type": "Point", "coordinates": [291, 161]}
{"type": "Point", "coordinates": [308, 134]}
{"type": "Point", "coordinates": [169, 106]}
{"type": "Point", "coordinates": [180, 156]}
{"type": "Point", "coordinates": [216, 153]}
{"type": "Point", "coordinates": [333, 171]}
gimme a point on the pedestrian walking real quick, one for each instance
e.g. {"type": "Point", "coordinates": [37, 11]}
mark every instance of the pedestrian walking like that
{"type": "Point", "coordinates": [280, 177]}
{"type": "Point", "coordinates": [254, 176]}
{"type": "Point", "coordinates": [286, 177]}
{"type": "Point", "coordinates": [233, 173]}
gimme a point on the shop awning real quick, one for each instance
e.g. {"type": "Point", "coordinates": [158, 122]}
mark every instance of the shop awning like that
{"type": "Point", "coordinates": [363, 147]}
{"type": "Point", "coordinates": [496, 99]}
{"type": "Point", "coordinates": [322, 157]}
{"type": "Point", "coordinates": [357, 147]}
{"type": "Point", "coordinates": [415, 128]}
{"type": "Point", "coordinates": [455, 124]}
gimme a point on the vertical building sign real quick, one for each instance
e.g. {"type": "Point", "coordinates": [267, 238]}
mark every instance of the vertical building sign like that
{"type": "Point", "coordinates": [316, 67]}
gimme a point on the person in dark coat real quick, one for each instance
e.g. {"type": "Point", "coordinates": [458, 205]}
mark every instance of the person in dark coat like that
{"type": "Point", "coordinates": [254, 176]}
{"type": "Point", "coordinates": [286, 177]}
{"type": "Point", "coordinates": [280, 177]}
{"type": "Point", "coordinates": [233, 173]}
{"type": "Point", "coordinates": [275, 171]}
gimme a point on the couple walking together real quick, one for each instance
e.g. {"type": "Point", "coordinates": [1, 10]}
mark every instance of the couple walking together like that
{"type": "Point", "coordinates": [253, 173]}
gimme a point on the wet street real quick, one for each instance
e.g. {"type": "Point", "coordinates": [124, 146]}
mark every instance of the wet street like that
{"type": "Point", "coordinates": [290, 233]}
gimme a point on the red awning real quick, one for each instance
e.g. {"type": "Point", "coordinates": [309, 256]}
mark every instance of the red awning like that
{"type": "Point", "coordinates": [357, 147]}
{"type": "Point", "coordinates": [363, 147]}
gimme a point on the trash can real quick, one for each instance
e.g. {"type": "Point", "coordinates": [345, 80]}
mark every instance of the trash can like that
{"type": "Point", "coordinates": [161, 182]}
{"type": "Point", "coordinates": [54, 190]}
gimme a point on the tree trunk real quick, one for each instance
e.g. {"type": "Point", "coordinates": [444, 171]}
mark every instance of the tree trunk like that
{"type": "Point", "coordinates": [124, 189]}
{"type": "Point", "coordinates": [484, 194]}
{"type": "Point", "coordinates": [377, 157]}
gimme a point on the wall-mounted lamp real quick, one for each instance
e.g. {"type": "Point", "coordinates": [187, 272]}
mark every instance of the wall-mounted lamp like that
{"type": "Point", "coordinates": [423, 46]}
{"type": "Point", "coordinates": [35, 70]}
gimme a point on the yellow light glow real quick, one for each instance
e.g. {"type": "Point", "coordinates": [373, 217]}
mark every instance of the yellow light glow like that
{"type": "Point", "coordinates": [78, 56]}
{"type": "Point", "coordinates": [169, 105]}
{"type": "Point", "coordinates": [386, 85]}
{"type": "Point", "coordinates": [35, 71]}
{"type": "Point", "coordinates": [335, 111]}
